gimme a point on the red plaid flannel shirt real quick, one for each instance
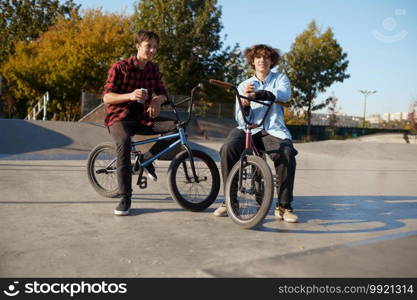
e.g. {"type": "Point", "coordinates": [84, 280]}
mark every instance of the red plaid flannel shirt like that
{"type": "Point", "coordinates": [125, 77]}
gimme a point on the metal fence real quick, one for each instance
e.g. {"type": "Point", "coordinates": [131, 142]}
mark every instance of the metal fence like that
{"type": "Point", "coordinates": [220, 111]}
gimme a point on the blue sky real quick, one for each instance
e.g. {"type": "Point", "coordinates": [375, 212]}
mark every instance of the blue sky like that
{"type": "Point", "coordinates": [380, 38]}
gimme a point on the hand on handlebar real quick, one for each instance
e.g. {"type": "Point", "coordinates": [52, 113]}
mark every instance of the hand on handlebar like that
{"type": "Point", "coordinates": [248, 92]}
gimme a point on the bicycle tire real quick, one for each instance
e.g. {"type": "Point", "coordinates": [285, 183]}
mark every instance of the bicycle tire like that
{"type": "Point", "coordinates": [98, 180]}
{"type": "Point", "coordinates": [204, 165]}
{"type": "Point", "coordinates": [260, 203]}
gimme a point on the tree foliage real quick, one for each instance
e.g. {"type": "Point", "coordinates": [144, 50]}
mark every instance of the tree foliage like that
{"type": "Point", "coordinates": [314, 62]}
{"type": "Point", "coordinates": [293, 117]}
{"type": "Point", "coordinates": [190, 49]}
{"type": "Point", "coordinates": [24, 20]}
{"type": "Point", "coordinates": [73, 55]}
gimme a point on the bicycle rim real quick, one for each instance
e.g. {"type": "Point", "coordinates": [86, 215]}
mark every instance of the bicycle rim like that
{"type": "Point", "coordinates": [249, 205]}
{"type": "Point", "coordinates": [104, 169]}
{"type": "Point", "coordinates": [190, 190]}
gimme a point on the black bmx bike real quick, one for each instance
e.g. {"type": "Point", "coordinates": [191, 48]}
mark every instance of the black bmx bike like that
{"type": "Point", "coordinates": [249, 187]}
{"type": "Point", "coordinates": [193, 177]}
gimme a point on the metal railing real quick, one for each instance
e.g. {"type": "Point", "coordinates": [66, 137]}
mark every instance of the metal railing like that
{"type": "Point", "coordinates": [36, 110]}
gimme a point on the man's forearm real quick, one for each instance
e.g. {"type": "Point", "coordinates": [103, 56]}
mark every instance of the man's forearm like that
{"type": "Point", "coordinates": [114, 98]}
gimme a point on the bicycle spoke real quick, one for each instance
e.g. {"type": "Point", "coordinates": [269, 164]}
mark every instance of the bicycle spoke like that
{"type": "Point", "coordinates": [190, 189]}
{"type": "Point", "coordinates": [105, 160]}
{"type": "Point", "coordinates": [246, 201]}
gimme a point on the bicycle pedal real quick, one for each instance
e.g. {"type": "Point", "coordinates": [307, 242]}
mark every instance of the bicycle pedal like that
{"type": "Point", "coordinates": [142, 182]}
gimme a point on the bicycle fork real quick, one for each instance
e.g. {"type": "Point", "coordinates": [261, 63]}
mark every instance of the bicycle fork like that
{"type": "Point", "coordinates": [250, 149]}
{"type": "Point", "coordinates": [184, 143]}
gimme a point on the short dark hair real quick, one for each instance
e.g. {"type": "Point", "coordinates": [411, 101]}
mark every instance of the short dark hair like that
{"type": "Point", "coordinates": [145, 35]}
{"type": "Point", "coordinates": [262, 50]}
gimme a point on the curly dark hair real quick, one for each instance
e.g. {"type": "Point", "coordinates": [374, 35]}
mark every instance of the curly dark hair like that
{"type": "Point", "coordinates": [262, 50]}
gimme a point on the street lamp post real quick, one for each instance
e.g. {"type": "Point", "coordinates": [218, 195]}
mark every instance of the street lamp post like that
{"type": "Point", "coordinates": [365, 94]}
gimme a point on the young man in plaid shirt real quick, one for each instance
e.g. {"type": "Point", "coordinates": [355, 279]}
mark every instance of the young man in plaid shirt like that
{"type": "Point", "coordinates": [133, 94]}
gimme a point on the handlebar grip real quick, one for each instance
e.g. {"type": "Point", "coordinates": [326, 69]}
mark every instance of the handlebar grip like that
{"type": "Point", "coordinates": [221, 83]}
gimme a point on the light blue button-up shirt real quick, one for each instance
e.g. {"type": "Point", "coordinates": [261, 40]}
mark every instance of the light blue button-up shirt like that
{"type": "Point", "coordinates": [280, 86]}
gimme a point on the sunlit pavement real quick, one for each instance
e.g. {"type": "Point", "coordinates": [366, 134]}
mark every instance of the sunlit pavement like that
{"type": "Point", "coordinates": [357, 204]}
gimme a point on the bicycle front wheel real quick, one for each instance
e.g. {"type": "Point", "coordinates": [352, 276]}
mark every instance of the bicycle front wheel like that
{"type": "Point", "coordinates": [101, 170]}
{"type": "Point", "coordinates": [194, 194]}
{"type": "Point", "coordinates": [249, 204]}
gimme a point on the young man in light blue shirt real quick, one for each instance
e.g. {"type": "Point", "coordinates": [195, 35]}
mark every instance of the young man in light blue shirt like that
{"type": "Point", "coordinates": [273, 136]}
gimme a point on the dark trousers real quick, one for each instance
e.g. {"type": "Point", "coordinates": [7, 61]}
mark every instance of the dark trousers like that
{"type": "Point", "coordinates": [280, 151]}
{"type": "Point", "coordinates": [121, 133]}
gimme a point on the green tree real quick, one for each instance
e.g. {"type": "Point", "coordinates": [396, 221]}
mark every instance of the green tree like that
{"type": "Point", "coordinates": [314, 62]}
{"type": "Point", "coordinates": [72, 55]}
{"type": "Point", "coordinates": [293, 117]}
{"type": "Point", "coordinates": [24, 20]}
{"type": "Point", "coordinates": [190, 50]}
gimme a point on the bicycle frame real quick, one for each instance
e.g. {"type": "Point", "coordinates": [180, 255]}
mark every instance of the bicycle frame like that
{"type": "Point", "coordinates": [180, 135]}
{"type": "Point", "coordinates": [182, 139]}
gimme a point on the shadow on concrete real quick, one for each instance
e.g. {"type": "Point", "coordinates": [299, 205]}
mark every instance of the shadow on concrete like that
{"type": "Point", "coordinates": [149, 198]}
{"type": "Point", "coordinates": [356, 213]}
{"type": "Point", "coordinates": [141, 211]}
{"type": "Point", "coordinates": [20, 136]}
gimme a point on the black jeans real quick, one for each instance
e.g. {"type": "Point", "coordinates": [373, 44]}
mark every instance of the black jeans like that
{"type": "Point", "coordinates": [121, 133]}
{"type": "Point", "coordinates": [282, 153]}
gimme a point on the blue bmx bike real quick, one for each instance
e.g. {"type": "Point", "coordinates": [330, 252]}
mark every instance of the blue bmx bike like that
{"type": "Point", "coordinates": [193, 177]}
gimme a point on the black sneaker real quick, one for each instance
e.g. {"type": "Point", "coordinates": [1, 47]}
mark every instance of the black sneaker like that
{"type": "Point", "coordinates": [123, 207]}
{"type": "Point", "coordinates": [150, 170]}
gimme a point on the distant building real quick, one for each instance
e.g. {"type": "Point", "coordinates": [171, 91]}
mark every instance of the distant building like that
{"type": "Point", "coordinates": [343, 120]}
{"type": "Point", "coordinates": [398, 116]}
{"type": "Point", "coordinates": [374, 119]}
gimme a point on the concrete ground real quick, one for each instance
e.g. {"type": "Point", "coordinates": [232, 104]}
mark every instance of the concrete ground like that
{"type": "Point", "coordinates": [357, 203]}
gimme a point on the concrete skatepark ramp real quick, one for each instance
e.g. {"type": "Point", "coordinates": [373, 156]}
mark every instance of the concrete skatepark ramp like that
{"type": "Point", "coordinates": [22, 139]}
{"type": "Point", "coordinates": [357, 203]}
{"type": "Point", "coordinates": [49, 138]}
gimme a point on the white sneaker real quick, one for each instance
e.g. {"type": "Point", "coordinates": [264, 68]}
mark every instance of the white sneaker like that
{"type": "Point", "coordinates": [221, 211]}
{"type": "Point", "coordinates": [286, 214]}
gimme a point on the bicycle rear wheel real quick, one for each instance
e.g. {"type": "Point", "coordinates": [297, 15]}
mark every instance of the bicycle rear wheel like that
{"type": "Point", "coordinates": [248, 206]}
{"type": "Point", "coordinates": [101, 170]}
{"type": "Point", "coordinates": [189, 193]}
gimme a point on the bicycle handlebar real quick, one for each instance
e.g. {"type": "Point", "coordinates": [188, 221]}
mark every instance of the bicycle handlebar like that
{"type": "Point", "coordinates": [190, 101]}
{"type": "Point", "coordinates": [232, 87]}
{"type": "Point", "coordinates": [221, 83]}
